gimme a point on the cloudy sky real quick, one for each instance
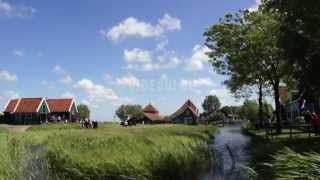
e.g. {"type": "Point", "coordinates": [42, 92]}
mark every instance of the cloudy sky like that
{"type": "Point", "coordinates": [106, 53]}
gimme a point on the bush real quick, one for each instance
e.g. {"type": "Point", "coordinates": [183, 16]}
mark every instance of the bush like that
{"type": "Point", "coordinates": [216, 116]}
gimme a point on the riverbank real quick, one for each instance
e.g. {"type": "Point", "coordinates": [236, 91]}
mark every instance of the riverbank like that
{"type": "Point", "coordinates": [110, 152]}
{"type": "Point", "coordinates": [279, 157]}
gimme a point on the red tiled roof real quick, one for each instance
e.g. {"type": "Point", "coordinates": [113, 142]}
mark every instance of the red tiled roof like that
{"type": "Point", "coordinates": [59, 105]}
{"type": "Point", "coordinates": [150, 109]}
{"type": "Point", "coordinates": [187, 105]}
{"type": "Point", "coordinates": [28, 105]}
{"type": "Point", "coordinates": [11, 105]}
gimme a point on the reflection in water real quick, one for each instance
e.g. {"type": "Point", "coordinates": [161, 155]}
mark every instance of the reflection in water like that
{"type": "Point", "coordinates": [228, 154]}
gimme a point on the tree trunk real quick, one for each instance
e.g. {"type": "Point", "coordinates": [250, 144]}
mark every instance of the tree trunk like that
{"type": "Point", "coordinates": [260, 104]}
{"type": "Point", "coordinates": [277, 103]}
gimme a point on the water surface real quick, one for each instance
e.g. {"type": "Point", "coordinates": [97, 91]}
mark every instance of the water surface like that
{"type": "Point", "coordinates": [228, 154]}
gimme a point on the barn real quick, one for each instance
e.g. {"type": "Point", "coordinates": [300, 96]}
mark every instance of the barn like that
{"type": "Point", "coordinates": [62, 110]}
{"type": "Point", "coordinates": [186, 114]}
{"type": "Point", "coordinates": [26, 111]}
{"type": "Point", "coordinates": [152, 115]}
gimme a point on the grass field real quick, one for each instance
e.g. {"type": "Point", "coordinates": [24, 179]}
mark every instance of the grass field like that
{"type": "Point", "coordinates": [110, 152]}
{"type": "Point", "coordinates": [284, 157]}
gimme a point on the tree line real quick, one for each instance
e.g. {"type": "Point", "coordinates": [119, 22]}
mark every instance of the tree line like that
{"type": "Point", "coordinates": [249, 110]}
{"type": "Point", "coordinates": [260, 50]}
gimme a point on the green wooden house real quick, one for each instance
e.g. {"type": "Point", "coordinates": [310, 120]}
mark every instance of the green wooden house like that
{"type": "Point", "coordinates": [25, 111]}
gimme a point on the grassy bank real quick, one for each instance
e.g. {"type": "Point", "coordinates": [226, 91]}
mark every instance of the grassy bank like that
{"type": "Point", "coordinates": [114, 152]}
{"type": "Point", "coordinates": [282, 157]}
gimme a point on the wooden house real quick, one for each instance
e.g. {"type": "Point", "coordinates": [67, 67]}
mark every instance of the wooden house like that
{"type": "Point", "coordinates": [186, 114]}
{"type": "Point", "coordinates": [26, 111]}
{"type": "Point", "coordinates": [152, 115]}
{"type": "Point", "coordinates": [63, 109]}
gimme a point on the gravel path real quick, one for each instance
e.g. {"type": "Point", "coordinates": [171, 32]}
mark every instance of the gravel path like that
{"type": "Point", "coordinates": [15, 128]}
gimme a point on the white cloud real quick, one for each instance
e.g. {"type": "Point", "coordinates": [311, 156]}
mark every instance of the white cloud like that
{"type": "Point", "coordinates": [98, 94]}
{"type": "Point", "coordinates": [196, 83]}
{"type": "Point", "coordinates": [65, 78]}
{"type": "Point", "coordinates": [198, 58]}
{"type": "Point", "coordinates": [5, 7]}
{"type": "Point", "coordinates": [18, 53]}
{"type": "Point", "coordinates": [170, 23]}
{"type": "Point", "coordinates": [164, 61]}
{"type": "Point", "coordinates": [7, 76]}
{"type": "Point", "coordinates": [21, 11]}
{"type": "Point", "coordinates": [162, 44]}
{"type": "Point", "coordinates": [68, 95]}
{"type": "Point", "coordinates": [129, 81]}
{"type": "Point", "coordinates": [255, 6]}
{"type": "Point", "coordinates": [108, 78]}
{"type": "Point", "coordinates": [225, 97]}
{"type": "Point", "coordinates": [137, 55]}
{"type": "Point", "coordinates": [132, 27]}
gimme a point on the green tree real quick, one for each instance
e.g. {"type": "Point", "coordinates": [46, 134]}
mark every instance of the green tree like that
{"type": "Point", "coordinates": [249, 110]}
{"type": "Point", "coordinates": [216, 116]}
{"type": "Point", "coordinates": [84, 111]}
{"type": "Point", "coordinates": [300, 39]}
{"type": "Point", "coordinates": [211, 104]}
{"type": "Point", "coordinates": [230, 110]}
{"type": "Point", "coordinates": [134, 111]}
{"type": "Point", "coordinates": [244, 46]}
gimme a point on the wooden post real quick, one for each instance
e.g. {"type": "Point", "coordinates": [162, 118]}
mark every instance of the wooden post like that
{"type": "Point", "coordinates": [290, 131]}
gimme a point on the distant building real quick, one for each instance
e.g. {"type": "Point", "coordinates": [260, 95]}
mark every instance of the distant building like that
{"type": "Point", "coordinates": [152, 115]}
{"type": "Point", "coordinates": [66, 109]}
{"type": "Point", "coordinates": [186, 114]}
{"type": "Point", "coordinates": [26, 111]}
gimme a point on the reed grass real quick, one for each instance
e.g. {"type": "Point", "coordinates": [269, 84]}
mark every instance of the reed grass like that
{"type": "Point", "coordinates": [289, 164]}
{"type": "Point", "coordinates": [112, 151]}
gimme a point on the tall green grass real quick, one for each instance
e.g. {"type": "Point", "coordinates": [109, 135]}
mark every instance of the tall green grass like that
{"type": "Point", "coordinates": [13, 157]}
{"type": "Point", "coordinates": [115, 152]}
{"type": "Point", "coordinates": [289, 164]}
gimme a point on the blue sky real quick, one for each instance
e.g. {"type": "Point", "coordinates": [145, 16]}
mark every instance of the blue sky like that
{"type": "Point", "coordinates": [105, 53]}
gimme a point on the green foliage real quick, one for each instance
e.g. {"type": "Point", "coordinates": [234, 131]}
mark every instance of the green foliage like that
{"type": "Point", "coordinates": [216, 116]}
{"type": "Point", "coordinates": [14, 157]}
{"type": "Point", "coordinates": [211, 104]}
{"type": "Point", "coordinates": [247, 127]}
{"type": "Point", "coordinates": [300, 40]}
{"type": "Point", "coordinates": [231, 110]}
{"type": "Point", "coordinates": [244, 47]}
{"type": "Point", "coordinates": [134, 111]}
{"type": "Point", "coordinates": [84, 111]}
{"type": "Point", "coordinates": [289, 164]}
{"type": "Point", "coordinates": [250, 110]}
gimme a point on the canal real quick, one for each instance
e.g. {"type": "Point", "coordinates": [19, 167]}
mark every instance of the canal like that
{"type": "Point", "coordinates": [228, 154]}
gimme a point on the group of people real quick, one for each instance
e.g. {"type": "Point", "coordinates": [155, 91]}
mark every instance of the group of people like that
{"type": "Point", "coordinates": [55, 119]}
{"type": "Point", "coordinates": [312, 118]}
{"type": "Point", "coordinates": [86, 123]}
